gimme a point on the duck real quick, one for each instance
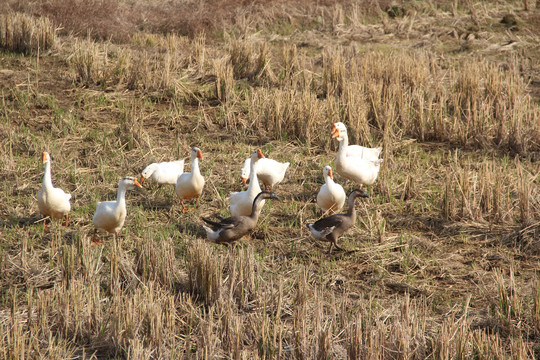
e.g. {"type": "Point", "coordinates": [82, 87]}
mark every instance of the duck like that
{"type": "Point", "coordinates": [52, 202]}
{"type": "Point", "coordinates": [230, 229]}
{"type": "Point", "coordinates": [163, 172]}
{"type": "Point", "coordinates": [110, 215]}
{"type": "Point", "coordinates": [271, 172]}
{"type": "Point", "coordinates": [190, 185]}
{"type": "Point", "coordinates": [330, 228]}
{"type": "Point", "coordinates": [339, 132]}
{"type": "Point", "coordinates": [241, 202]}
{"type": "Point", "coordinates": [331, 196]}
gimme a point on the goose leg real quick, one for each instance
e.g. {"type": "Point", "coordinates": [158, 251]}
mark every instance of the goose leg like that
{"type": "Point", "coordinates": [67, 220]}
{"type": "Point", "coordinates": [330, 248]}
{"type": "Point", "coordinates": [45, 223]}
{"type": "Point", "coordinates": [184, 209]}
{"type": "Point", "coordinates": [95, 241]}
{"type": "Point", "coordinates": [337, 247]}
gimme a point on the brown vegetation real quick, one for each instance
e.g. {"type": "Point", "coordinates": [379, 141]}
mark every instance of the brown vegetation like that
{"type": "Point", "coordinates": [446, 251]}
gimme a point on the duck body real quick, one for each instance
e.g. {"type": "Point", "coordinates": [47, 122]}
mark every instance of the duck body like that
{"type": "Point", "coordinates": [111, 215]}
{"type": "Point", "coordinates": [269, 171]}
{"type": "Point", "coordinates": [331, 196]}
{"type": "Point", "coordinates": [190, 185]}
{"type": "Point", "coordinates": [241, 203]}
{"type": "Point", "coordinates": [330, 228]}
{"type": "Point", "coordinates": [163, 172]}
{"type": "Point", "coordinates": [233, 228]}
{"type": "Point", "coordinates": [52, 202]}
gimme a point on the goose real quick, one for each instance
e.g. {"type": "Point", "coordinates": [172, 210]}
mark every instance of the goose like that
{"type": "Point", "coordinates": [331, 196]}
{"type": "Point", "coordinates": [163, 172]}
{"type": "Point", "coordinates": [269, 171]}
{"type": "Point", "coordinates": [233, 228]}
{"type": "Point", "coordinates": [52, 202]}
{"type": "Point", "coordinates": [241, 202]}
{"type": "Point", "coordinates": [190, 185]}
{"type": "Point", "coordinates": [339, 131]}
{"type": "Point", "coordinates": [110, 215]}
{"type": "Point", "coordinates": [330, 228]}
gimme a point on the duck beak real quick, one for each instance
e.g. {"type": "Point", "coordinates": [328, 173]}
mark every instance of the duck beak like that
{"type": "Point", "coordinates": [199, 154]}
{"type": "Point", "coordinates": [275, 197]}
{"type": "Point", "coordinates": [335, 131]}
{"type": "Point", "coordinates": [330, 174]}
{"type": "Point", "coordinates": [44, 157]}
{"type": "Point", "coordinates": [137, 183]}
{"type": "Point", "coordinates": [244, 180]}
{"type": "Point", "coordinates": [142, 179]}
{"type": "Point", "coordinates": [260, 154]}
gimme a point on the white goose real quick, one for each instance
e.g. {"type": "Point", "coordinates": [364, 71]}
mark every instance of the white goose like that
{"type": "Point", "coordinates": [190, 185]}
{"type": "Point", "coordinates": [52, 202]}
{"type": "Point", "coordinates": [242, 202]}
{"type": "Point", "coordinates": [363, 169]}
{"type": "Point", "coordinates": [269, 171]}
{"type": "Point", "coordinates": [163, 172]}
{"type": "Point", "coordinates": [110, 215]}
{"type": "Point", "coordinates": [331, 196]}
{"type": "Point", "coordinates": [339, 131]}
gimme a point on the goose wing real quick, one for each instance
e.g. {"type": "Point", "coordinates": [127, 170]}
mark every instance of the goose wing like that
{"type": "Point", "coordinates": [227, 223]}
{"type": "Point", "coordinates": [328, 222]}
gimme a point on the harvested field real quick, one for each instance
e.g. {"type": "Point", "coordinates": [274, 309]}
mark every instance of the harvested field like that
{"type": "Point", "coordinates": [442, 263]}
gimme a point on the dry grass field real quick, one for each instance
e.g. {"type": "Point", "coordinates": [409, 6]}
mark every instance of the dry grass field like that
{"type": "Point", "coordinates": [444, 260]}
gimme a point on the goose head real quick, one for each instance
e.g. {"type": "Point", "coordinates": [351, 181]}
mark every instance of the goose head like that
{"type": "Point", "coordinates": [130, 183]}
{"type": "Point", "coordinates": [339, 131]}
{"type": "Point", "coordinates": [245, 172]}
{"type": "Point", "coordinates": [327, 171]}
{"type": "Point", "coordinates": [196, 153]}
{"type": "Point", "coordinates": [148, 171]}
{"type": "Point", "coordinates": [257, 154]}
{"type": "Point", "coordinates": [358, 193]}
{"type": "Point", "coordinates": [266, 195]}
{"type": "Point", "coordinates": [46, 157]}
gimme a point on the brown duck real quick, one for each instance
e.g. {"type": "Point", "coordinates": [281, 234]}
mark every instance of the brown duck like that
{"type": "Point", "coordinates": [233, 228]}
{"type": "Point", "coordinates": [332, 227]}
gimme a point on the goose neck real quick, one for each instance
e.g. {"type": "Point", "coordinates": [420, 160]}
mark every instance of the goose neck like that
{"type": "Point", "coordinates": [47, 180]}
{"type": "Point", "coordinates": [253, 180]}
{"type": "Point", "coordinates": [121, 193]}
{"type": "Point", "coordinates": [351, 212]}
{"type": "Point", "coordinates": [195, 166]}
{"type": "Point", "coordinates": [343, 146]}
{"type": "Point", "coordinates": [255, 210]}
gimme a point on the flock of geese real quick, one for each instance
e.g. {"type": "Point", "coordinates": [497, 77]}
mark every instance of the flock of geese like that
{"type": "Point", "coordinates": [356, 163]}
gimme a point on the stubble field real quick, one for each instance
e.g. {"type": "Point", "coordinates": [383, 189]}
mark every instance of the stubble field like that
{"type": "Point", "coordinates": [445, 254]}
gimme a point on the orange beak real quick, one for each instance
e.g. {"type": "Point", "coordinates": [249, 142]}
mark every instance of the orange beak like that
{"type": "Point", "coordinates": [244, 180]}
{"type": "Point", "coordinates": [330, 174]}
{"type": "Point", "coordinates": [44, 157]}
{"type": "Point", "coordinates": [335, 131]}
{"type": "Point", "coordinates": [142, 179]}
{"type": "Point", "coordinates": [260, 154]}
{"type": "Point", "coordinates": [199, 154]}
{"type": "Point", "coordinates": [136, 183]}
